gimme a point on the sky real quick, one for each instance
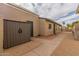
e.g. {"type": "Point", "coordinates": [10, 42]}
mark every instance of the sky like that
{"type": "Point", "coordinates": [58, 12]}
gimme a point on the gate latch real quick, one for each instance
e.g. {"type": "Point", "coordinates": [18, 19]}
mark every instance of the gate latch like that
{"type": "Point", "coordinates": [20, 31]}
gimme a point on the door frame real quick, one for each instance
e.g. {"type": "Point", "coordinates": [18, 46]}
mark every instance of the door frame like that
{"type": "Point", "coordinates": [31, 28]}
{"type": "Point", "coordinates": [54, 29]}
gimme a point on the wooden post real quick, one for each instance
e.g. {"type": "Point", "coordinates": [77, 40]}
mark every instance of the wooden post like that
{"type": "Point", "coordinates": [1, 35]}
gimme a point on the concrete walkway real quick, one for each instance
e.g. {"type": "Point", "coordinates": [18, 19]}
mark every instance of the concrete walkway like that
{"type": "Point", "coordinates": [68, 47]}
{"type": "Point", "coordinates": [47, 46]}
{"type": "Point", "coordinates": [37, 47]}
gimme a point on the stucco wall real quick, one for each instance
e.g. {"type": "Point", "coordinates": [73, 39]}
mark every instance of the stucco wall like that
{"type": "Point", "coordinates": [57, 29]}
{"type": "Point", "coordinates": [12, 13]}
{"type": "Point", "coordinates": [44, 27]}
{"type": "Point", "coordinates": [49, 31]}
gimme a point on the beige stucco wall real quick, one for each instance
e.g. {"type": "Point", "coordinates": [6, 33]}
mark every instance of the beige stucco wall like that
{"type": "Point", "coordinates": [12, 13]}
{"type": "Point", "coordinates": [49, 31]}
{"type": "Point", "coordinates": [57, 28]}
{"type": "Point", "coordinates": [44, 28]}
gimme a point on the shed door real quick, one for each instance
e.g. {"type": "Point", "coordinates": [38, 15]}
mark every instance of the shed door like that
{"type": "Point", "coordinates": [25, 32]}
{"type": "Point", "coordinates": [15, 33]}
{"type": "Point", "coordinates": [10, 36]}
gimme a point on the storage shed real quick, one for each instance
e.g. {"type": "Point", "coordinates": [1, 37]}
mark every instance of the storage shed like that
{"type": "Point", "coordinates": [14, 19]}
{"type": "Point", "coordinates": [48, 27]}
